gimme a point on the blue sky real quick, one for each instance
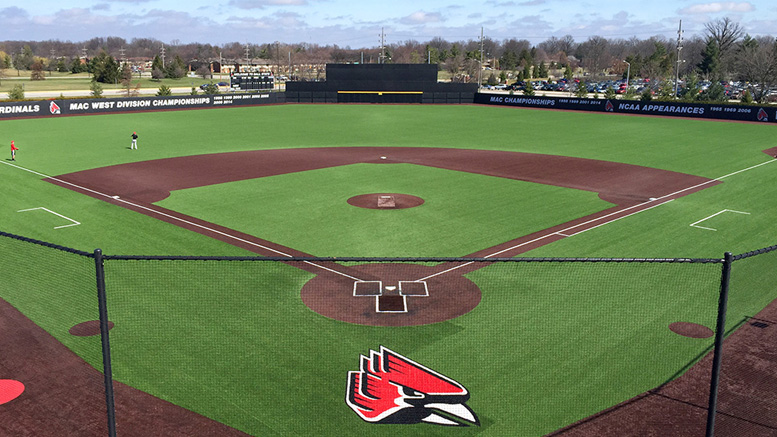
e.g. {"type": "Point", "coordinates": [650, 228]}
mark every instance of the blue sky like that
{"type": "Point", "coordinates": [355, 24]}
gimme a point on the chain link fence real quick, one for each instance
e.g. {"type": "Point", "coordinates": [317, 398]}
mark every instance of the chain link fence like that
{"type": "Point", "coordinates": [252, 345]}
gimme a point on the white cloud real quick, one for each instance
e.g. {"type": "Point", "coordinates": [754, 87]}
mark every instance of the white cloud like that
{"type": "Point", "coordinates": [421, 17]}
{"type": "Point", "coordinates": [711, 8]}
{"type": "Point", "coordinates": [261, 4]}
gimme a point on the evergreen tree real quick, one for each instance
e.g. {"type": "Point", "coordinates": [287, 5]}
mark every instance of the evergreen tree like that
{"type": "Point", "coordinates": [666, 92]}
{"type": "Point", "coordinates": [543, 70]}
{"type": "Point", "coordinates": [747, 98]}
{"type": "Point", "coordinates": [78, 67]}
{"type": "Point", "coordinates": [527, 71]}
{"type": "Point", "coordinates": [17, 92]}
{"type": "Point", "coordinates": [492, 80]}
{"type": "Point", "coordinates": [176, 69]}
{"type": "Point", "coordinates": [581, 90]}
{"type": "Point", "coordinates": [509, 60]}
{"type": "Point", "coordinates": [710, 63]}
{"type": "Point", "coordinates": [96, 88]}
{"type": "Point", "coordinates": [715, 93]}
{"type": "Point", "coordinates": [165, 90]}
{"type": "Point", "coordinates": [61, 65]}
{"type": "Point", "coordinates": [529, 90]}
{"type": "Point", "coordinates": [690, 91]}
{"type": "Point", "coordinates": [157, 64]}
{"type": "Point", "coordinates": [568, 73]}
{"type": "Point", "coordinates": [610, 94]}
{"type": "Point", "coordinates": [104, 68]}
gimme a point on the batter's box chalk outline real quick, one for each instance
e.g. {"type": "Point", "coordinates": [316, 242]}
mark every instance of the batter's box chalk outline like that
{"type": "Point", "coordinates": [367, 288]}
{"type": "Point", "coordinates": [74, 223]}
{"type": "Point", "coordinates": [413, 288]}
{"type": "Point", "coordinates": [377, 305]}
{"type": "Point", "coordinates": [694, 225]}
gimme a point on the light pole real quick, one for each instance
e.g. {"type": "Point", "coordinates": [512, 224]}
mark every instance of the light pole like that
{"type": "Point", "coordinates": [679, 61]}
{"type": "Point", "coordinates": [628, 73]}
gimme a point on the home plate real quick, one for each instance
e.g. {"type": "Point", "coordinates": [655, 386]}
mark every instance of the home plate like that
{"type": "Point", "coordinates": [386, 202]}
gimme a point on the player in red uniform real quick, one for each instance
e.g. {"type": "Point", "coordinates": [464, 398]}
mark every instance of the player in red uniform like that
{"type": "Point", "coordinates": [13, 151]}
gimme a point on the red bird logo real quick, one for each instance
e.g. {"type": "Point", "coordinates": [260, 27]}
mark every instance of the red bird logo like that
{"type": "Point", "coordinates": [762, 116]}
{"type": "Point", "coordinates": [608, 106]}
{"type": "Point", "coordinates": [54, 108]}
{"type": "Point", "coordinates": [391, 388]}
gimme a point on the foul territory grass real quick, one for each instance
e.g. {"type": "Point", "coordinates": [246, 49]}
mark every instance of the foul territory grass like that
{"type": "Point", "coordinates": [462, 214]}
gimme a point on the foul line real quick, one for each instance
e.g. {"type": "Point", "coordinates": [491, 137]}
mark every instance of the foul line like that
{"type": "Point", "coordinates": [564, 231]}
{"type": "Point", "coordinates": [180, 220]}
{"type": "Point", "coordinates": [559, 233]}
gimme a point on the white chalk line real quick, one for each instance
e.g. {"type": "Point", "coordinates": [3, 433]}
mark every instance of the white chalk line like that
{"type": "Point", "coordinates": [117, 198]}
{"type": "Point", "coordinates": [560, 233]}
{"type": "Point", "coordinates": [75, 223]}
{"type": "Point", "coordinates": [564, 232]}
{"type": "Point", "coordinates": [713, 215]}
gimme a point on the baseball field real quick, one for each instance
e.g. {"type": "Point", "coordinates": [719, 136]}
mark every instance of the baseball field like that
{"type": "Point", "coordinates": [266, 347]}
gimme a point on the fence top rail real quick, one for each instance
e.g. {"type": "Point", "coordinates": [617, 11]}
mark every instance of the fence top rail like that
{"type": "Point", "coordinates": [45, 244]}
{"type": "Point", "coordinates": [754, 253]}
{"type": "Point", "coordinates": [379, 259]}
{"type": "Point", "coordinates": [409, 259]}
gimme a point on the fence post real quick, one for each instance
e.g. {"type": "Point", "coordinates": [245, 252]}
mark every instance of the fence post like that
{"type": "Point", "coordinates": [720, 331]}
{"type": "Point", "coordinates": [106, 346]}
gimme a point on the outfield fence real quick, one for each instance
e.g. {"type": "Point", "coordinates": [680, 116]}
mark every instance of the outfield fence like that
{"type": "Point", "coordinates": [109, 344]}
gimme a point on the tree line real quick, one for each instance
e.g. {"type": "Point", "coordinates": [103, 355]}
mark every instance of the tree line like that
{"type": "Point", "coordinates": [724, 52]}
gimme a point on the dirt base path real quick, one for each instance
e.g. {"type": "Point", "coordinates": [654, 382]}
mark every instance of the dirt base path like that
{"type": "Point", "coordinates": [138, 185]}
{"type": "Point", "coordinates": [747, 399]}
{"type": "Point", "coordinates": [65, 396]}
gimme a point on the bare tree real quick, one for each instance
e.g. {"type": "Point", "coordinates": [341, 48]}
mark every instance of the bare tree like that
{"type": "Point", "coordinates": [758, 65]}
{"type": "Point", "coordinates": [567, 44]}
{"type": "Point", "coordinates": [726, 34]}
{"type": "Point", "coordinates": [594, 54]}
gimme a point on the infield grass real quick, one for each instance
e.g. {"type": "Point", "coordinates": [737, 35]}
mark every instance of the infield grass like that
{"type": "Point", "coordinates": [462, 213]}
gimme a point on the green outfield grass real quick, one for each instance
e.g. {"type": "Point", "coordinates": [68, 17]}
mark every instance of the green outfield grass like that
{"type": "Point", "coordinates": [550, 343]}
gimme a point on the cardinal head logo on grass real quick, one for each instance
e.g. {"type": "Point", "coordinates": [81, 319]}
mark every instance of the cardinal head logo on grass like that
{"type": "Point", "coordinates": [390, 388]}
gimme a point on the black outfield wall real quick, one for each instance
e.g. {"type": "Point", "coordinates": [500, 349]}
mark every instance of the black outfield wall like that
{"type": "Point", "coordinates": [56, 107]}
{"type": "Point", "coordinates": [673, 109]}
{"type": "Point", "coordinates": [380, 83]}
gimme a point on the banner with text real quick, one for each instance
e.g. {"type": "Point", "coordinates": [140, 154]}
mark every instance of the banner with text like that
{"type": "Point", "coordinates": [673, 109]}
{"type": "Point", "coordinates": [55, 107]}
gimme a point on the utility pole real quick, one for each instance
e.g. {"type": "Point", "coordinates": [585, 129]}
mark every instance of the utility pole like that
{"type": "Point", "coordinates": [480, 70]}
{"type": "Point", "coordinates": [246, 49]}
{"type": "Point", "coordinates": [677, 63]}
{"type": "Point", "coordinates": [83, 56]}
{"type": "Point", "coordinates": [382, 46]}
{"type": "Point", "coordinates": [162, 51]}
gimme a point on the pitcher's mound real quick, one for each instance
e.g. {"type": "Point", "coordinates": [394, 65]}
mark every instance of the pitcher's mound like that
{"type": "Point", "coordinates": [385, 201]}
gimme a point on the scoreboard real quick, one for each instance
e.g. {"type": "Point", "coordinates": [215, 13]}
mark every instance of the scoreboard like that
{"type": "Point", "coordinates": [252, 81]}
